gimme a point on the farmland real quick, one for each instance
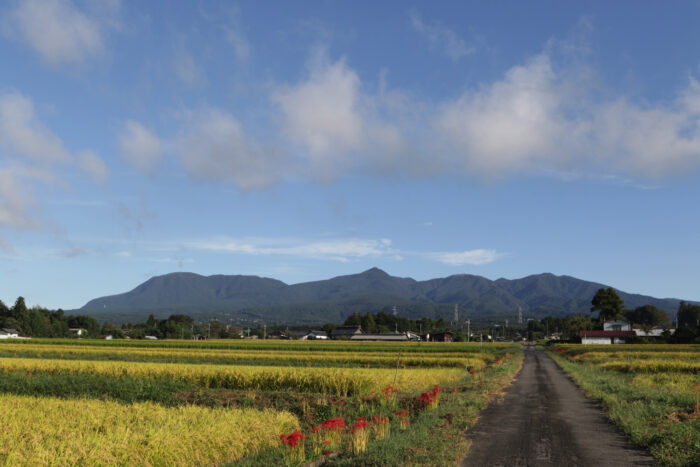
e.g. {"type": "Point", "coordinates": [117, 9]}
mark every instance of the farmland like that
{"type": "Point", "coordinates": [213, 403]}
{"type": "Point", "coordinates": [651, 391]}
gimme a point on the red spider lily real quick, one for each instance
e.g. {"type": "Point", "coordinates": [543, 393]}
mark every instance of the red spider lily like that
{"type": "Point", "coordinates": [293, 438]}
{"type": "Point", "coordinates": [361, 419]}
{"type": "Point", "coordinates": [326, 452]}
{"type": "Point", "coordinates": [295, 442]}
{"type": "Point", "coordinates": [334, 423]}
{"type": "Point", "coordinates": [315, 429]}
{"type": "Point", "coordinates": [430, 399]}
{"type": "Point", "coordinates": [28, 373]}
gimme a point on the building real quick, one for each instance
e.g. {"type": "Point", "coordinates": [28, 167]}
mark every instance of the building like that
{"type": "Point", "coordinates": [445, 336]}
{"type": "Point", "coordinates": [77, 332]}
{"type": "Point", "coordinates": [313, 335]}
{"type": "Point", "coordinates": [346, 332]}
{"type": "Point", "coordinates": [654, 332]}
{"type": "Point", "coordinates": [390, 337]}
{"type": "Point", "coordinates": [617, 325]}
{"type": "Point", "coordinates": [8, 333]}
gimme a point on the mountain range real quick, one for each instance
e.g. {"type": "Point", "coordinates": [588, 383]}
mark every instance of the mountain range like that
{"type": "Point", "coordinates": [242, 299]}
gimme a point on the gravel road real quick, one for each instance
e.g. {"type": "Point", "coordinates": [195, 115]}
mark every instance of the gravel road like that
{"type": "Point", "coordinates": [545, 420]}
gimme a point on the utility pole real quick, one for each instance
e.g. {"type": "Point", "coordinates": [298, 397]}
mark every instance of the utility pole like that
{"type": "Point", "coordinates": [264, 331]}
{"type": "Point", "coordinates": [468, 330]}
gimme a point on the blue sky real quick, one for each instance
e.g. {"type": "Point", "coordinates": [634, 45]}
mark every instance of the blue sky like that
{"type": "Point", "coordinates": [305, 140]}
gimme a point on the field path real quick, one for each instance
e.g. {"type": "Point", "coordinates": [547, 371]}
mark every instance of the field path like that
{"type": "Point", "coordinates": [545, 420]}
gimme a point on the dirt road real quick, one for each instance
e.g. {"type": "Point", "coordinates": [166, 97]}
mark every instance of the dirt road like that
{"type": "Point", "coordinates": [545, 420]}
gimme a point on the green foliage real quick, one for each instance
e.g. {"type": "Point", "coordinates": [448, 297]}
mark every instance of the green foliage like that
{"type": "Point", "coordinates": [648, 316]}
{"type": "Point", "coordinates": [608, 302]}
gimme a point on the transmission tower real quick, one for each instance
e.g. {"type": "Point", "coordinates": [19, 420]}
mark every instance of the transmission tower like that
{"type": "Point", "coordinates": [394, 312]}
{"type": "Point", "coordinates": [520, 315]}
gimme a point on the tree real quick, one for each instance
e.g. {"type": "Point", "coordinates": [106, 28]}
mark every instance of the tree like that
{"type": "Point", "coordinates": [608, 302]}
{"type": "Point", "coordinates": [688, 315]}
{"type": "Point", "coordinates": [648, 317]}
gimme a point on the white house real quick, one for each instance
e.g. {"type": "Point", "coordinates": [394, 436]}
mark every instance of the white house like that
{"type": "Point", "coordinates": [77, 332]}
{"type": "Point", "coordinates": [614, 332]}
{"type": "Point", "coordinates": [617, 325]}
{"type": "Point", "coordinates": [8, 334]}
{"type": "Point", "coordinates": [323, 335]}
{"type": "Point", "coordinates": [655, 332]}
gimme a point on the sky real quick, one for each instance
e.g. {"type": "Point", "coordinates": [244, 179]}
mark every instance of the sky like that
{"type": "Point", "coordinates": [307, 140]}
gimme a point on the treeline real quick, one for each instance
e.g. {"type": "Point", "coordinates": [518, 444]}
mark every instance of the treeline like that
{"type": "Point", "coordinates": [174, 327]}
{"type": "Point", "coordinates": [383, 322]}
{"type": "Point", "coordinates": [40, 322]}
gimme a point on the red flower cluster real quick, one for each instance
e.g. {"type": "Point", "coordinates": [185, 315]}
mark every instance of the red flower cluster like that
{"type": "Point", "coordinates": [334, 424]}
{"type": "Point", "coordinates": [560, 350]}
{"type": "Point", "coordinates": [292, 439]}
{"type": "Point", "coordinates": [430, 398]}
{"type": "Point", "coordinates": [380, 420]}
{"type": "Point", "coordinates": [360, 425]}
{"type": "Point", "coordinates": [337, 401]}
{"type": "Point", "coordinates": [499, 359]}
{"type": "Point", "coordinates": [389, 390]}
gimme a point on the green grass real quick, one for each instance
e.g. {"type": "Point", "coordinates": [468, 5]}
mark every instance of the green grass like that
{"type": "Point", "coordinates": [665, 421]}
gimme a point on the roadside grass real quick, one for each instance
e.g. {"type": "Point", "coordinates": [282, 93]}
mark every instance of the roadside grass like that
{"type": "Point", "coordinates": [660, 417]}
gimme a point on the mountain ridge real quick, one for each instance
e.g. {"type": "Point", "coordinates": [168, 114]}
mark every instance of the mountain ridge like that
{"type": "Point", "coordinates": [243, 298]}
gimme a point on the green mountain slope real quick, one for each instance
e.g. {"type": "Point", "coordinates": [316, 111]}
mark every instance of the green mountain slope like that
{"type": "Point", "coordinates": [251, 298]}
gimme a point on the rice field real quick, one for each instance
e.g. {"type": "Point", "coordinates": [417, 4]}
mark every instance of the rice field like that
{"type": "Point", "coordinates": [77, 402]}
{"type": "Point", "coordinates": [651, 391]}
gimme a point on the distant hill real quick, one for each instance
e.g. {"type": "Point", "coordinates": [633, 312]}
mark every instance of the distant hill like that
{"type": "Point", "coordinates": [246, 299]}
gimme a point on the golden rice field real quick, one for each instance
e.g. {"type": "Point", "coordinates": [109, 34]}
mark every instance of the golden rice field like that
{"type": "Point", "coordinates": [173, 403]}
{"type": "Point", "coordinates": [236, 356]}
{"type": "Point", "coordinates": [46, 431]}
{"type": "Point", "coordinates": [339, 381]}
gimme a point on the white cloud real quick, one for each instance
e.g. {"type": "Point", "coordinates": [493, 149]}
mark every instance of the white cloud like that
{"type": "Point", "coordinates": [335, 123]}
{"type": "Point", "coordinates": [511, 124]}
{"type": "Point", "coordinates": [33, 155]}
{"type": "Point", "coordinates": [187, 70]}
{"type": "Point", "coordinates": [536, 119]}
{"type": "Point", "coordinates": [22, 133]}
{"type": "Point", "coordinates": [441, 37]}
{"type": "Point", "coordinates": [58, 31]}
{"type": "Point", "coordinates": [140, 147]}
{"type": "Point", "coordinates": [15, 201]}
{"type": "Point", "coordinates": [213, 146]}
{"type": "Point", "coordinates": [460, 258]}
{"type": "Point", "coordinates": [343, 250]}
{"type": "Point", "coordinates": [6, 247]}
{"type": "Point", "coordinates": [94, 166]}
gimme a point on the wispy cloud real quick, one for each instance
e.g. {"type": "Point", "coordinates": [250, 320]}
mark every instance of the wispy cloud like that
{"type": "Point", "coordinates": [139, 147]}
{"type": "Point", "coordinates": [469, 257]}
{"type": "Point", "coordinates": [32, 154]}
{"type": "Point", "coordinates": [59, 31]}
{"type": "Point", "coordinates": [337, 125]}
{"type": "Point", "coordinates": [213, 146]}
{"type": "Point", "coordinates": [187, 69]}
{"type": "Point", "coordinates": [441, 37]}
{"type": "Point", "coordinates": [343, 250]}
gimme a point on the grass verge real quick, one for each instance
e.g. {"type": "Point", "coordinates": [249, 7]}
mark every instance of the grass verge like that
{"type": "Point", "coordinates": [664, 421]}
